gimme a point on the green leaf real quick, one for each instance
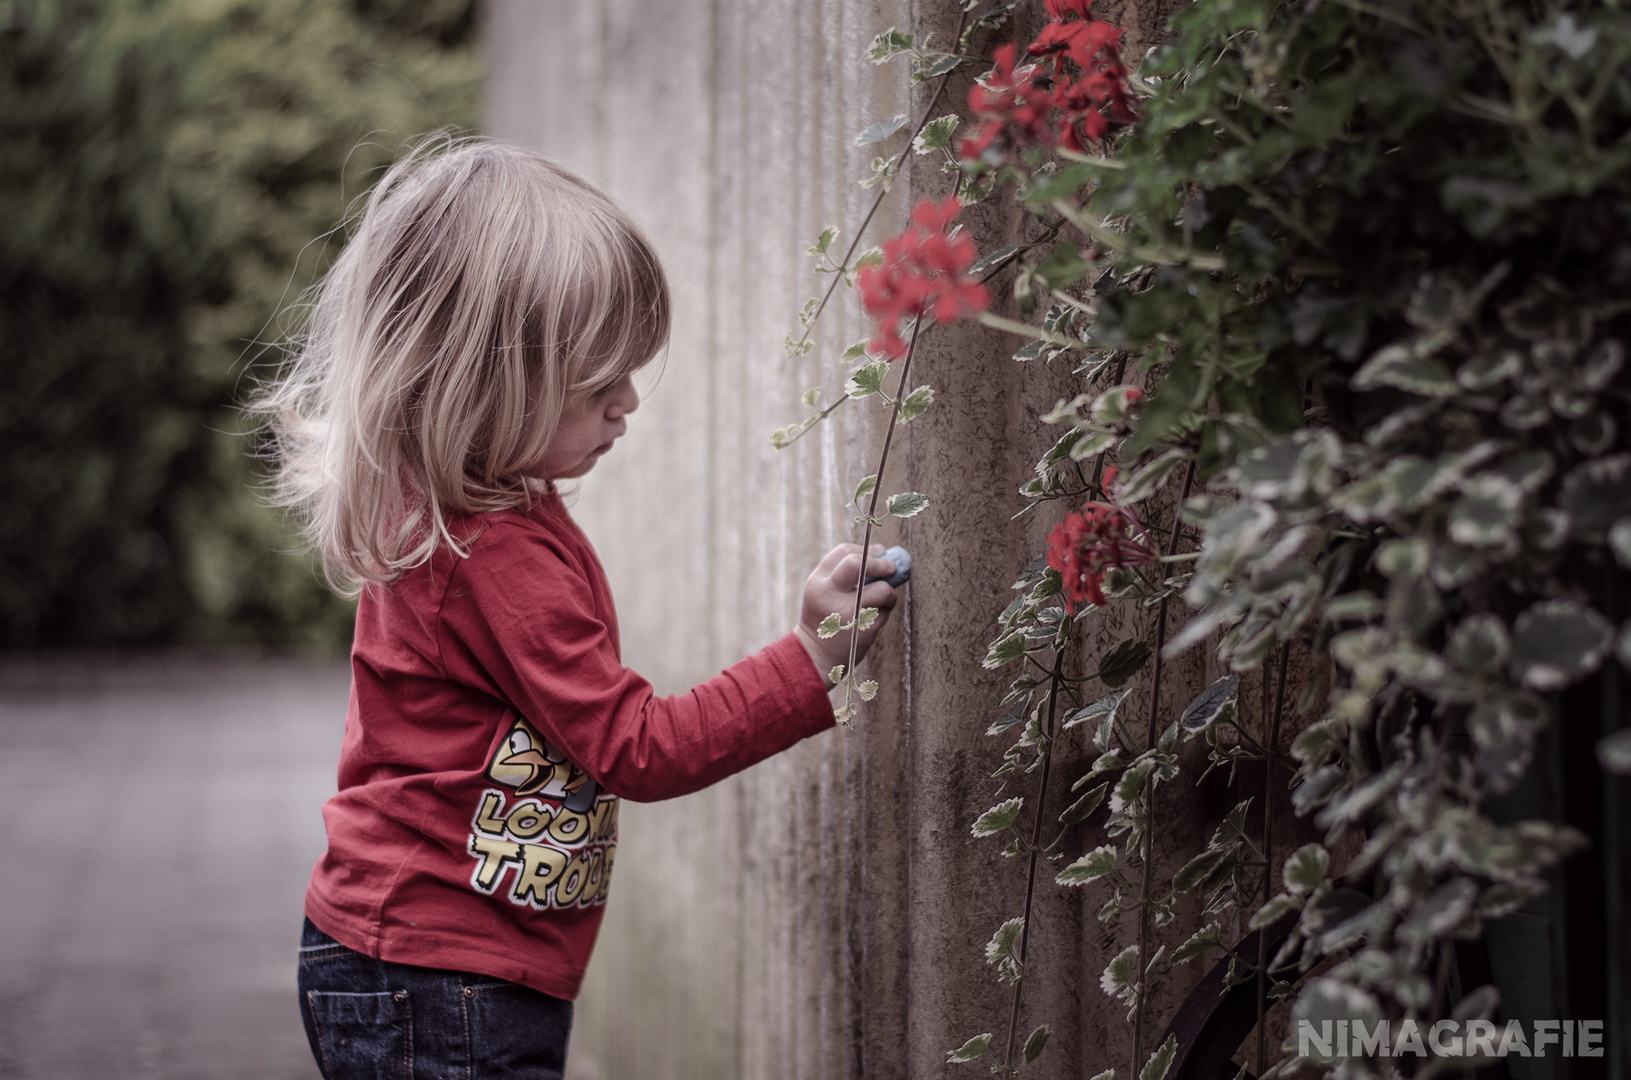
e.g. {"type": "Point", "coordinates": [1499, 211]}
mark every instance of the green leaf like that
{"type": "Point", "coordinates": [1486, 515]}
{"type": "Point", "coordinates": [1097, 863]}
{"type": "Point", "coordinates": [1198, 869]}
{"type": "Point", "coordinates": [1274, 909]}
{"type": "Point", "coordinates": [1036, 1043]}
{"type": "Point", "coordinates": [823, 242]}
{"type": "Point", "coordinates": [1119, 973]}
{"type": "Point", "coordinates": [1305, 870]}
{"type": "Point", "coordinates": [836, 675]}
{"type": "Point", "coordinates": [936, 134]}
{"type": "Point", "coordinates": [1556, 642]}
{"type": "Point", "coordinates": [1100, 710]}
{"type": "Point", "coordinates": [1405, 368]}
{"type": "Point", "coordinates": [999, 817]}
{"type": "Point", "coordinates": [881, 131]}
{"type": "Point", "coordinates": [1113, 406]}
{"type": "Point", "coordinates": [868, 690]}
{"type": "Point", "coordinates": [1403, 558]}
{"type": "Point", "coordinates": [830, 625]}
{"type": "Point", "coordinates": [1123, 660]}
{"type": "Point", "coordinates": [1063, 267]}
{"type": "Point", "coordinates": [1130, 788]}
{"type": "Point", "coordinates": [1209, 936]}
{"type": "Point", "coordinates": [907, 503]}
{"type": "Point", "coordinates": [1004, 650]}
{"type": "Point", "coordinates": [1082, 808]}
{"type": "Point", "coordinates": [1596, 494]}
{"type": "Point", "coordinates": [992, 258]}
{"type": "Point", "coordinates": [864, 621]}
{"type": "Point", "coordinates": [855, 351]}
{"type": "Point", "coordinates": [889, 44]}
{"type": "Point", "coordinates": [811, 397]}
{"type": "Point", "coordinates": [1148, 479]}
{"type": "Point", "coordinates": [1208, 706]}
{"type": "Point", "coordinates": [972, 1050]}
{"type": "Point", "coordinates": [864, 488]}
{"type": "Point", "coordinates": [1160, 1061]}
{"type": "Point", "coordinates": [915, 403]}
{"type": "Point", "coordinates": [867, 379]}
{"type": "Point", "coordinates": [1440, 913]}
{"type": "Point", "coordinates": [1619, 541]}
{"type": "Point", "coordinates": [1011, 716]}
{"type": "Point", "coordinates": [1479, 644]}
{"type": "Point", "coordinates": [1004, 941]}
{"type": "Point", "coordinates": [1325, 1000]}
{"type": "Point", "coordinates": [1614, 752]}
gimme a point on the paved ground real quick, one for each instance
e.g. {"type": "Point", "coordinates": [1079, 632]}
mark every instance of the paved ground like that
{"type": "Point", "coordinates": [158, 819]}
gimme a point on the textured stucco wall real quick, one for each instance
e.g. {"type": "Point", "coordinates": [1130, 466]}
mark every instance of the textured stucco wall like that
{"type": "Point", "coordinates": [824, 914]}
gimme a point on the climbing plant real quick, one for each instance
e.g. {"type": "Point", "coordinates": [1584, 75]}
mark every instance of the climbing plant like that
{"type": "Point", "coordinates": [1343, 286]}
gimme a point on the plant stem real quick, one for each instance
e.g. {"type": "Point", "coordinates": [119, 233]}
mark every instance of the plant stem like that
{"type": "Point", "coordinates": [1030, 878]}
{"type": "Point", "coordinates": [1149, 787]}
{"type": "Point", "coordinates": [1268, 840]}
{"type": "Point", "coordinates": [940, 88]}
{"type": "Point", "coordinates": [872, 508]}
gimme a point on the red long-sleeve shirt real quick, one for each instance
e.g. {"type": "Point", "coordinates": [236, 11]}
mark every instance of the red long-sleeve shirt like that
{"type": "Point", "coordinates": [491, 730]}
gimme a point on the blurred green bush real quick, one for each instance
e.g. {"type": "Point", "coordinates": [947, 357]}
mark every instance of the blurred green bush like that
{"type": "Point", "coordinates": [172, 173]}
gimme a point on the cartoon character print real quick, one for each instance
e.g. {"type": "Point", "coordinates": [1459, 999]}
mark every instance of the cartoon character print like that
{"type": "Point", "coordinates": [532, 765]}
{"type": "Point", "coordinates": [555, 829]}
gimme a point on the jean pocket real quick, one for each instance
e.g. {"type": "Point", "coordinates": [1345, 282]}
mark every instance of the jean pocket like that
{"type": "Point", "coordinates": [363, 1036]}
{"type": "Point", "coordinates": [516, 1033]}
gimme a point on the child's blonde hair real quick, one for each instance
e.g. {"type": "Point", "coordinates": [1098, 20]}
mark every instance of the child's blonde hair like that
{"type": "Point", "coordinates": [482, 288]}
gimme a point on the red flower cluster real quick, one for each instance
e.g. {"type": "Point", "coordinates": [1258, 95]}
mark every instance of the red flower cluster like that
{"type": "Point", "coordinates": [1086, 545]}
{"type": "Point", "coordinates": [924, 271]}
{"type": "Point", "coordinates": [1016, 105]}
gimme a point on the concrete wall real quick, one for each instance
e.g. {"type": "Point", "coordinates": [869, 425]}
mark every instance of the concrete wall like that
{"type": "Point", "coordinates": [824, 914]}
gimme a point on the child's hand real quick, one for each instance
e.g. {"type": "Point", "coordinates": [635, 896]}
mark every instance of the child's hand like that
{"type": "Point", "coordinates": [830, 590]}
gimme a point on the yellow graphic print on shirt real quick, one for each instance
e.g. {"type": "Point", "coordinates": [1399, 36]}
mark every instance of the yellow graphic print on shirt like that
{"type": "Point", "coordinates": [557, 831]}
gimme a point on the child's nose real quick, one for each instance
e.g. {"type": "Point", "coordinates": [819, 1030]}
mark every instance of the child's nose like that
{"type": "Point", "coordinates": [624, 398]}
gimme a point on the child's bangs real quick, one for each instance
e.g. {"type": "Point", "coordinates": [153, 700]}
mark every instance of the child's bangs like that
{"type": "Point", "coordinates": [623, 310]}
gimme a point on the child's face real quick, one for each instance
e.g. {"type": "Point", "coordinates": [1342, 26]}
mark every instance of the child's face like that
{"type": "Point", "coordinates": [589, 425]}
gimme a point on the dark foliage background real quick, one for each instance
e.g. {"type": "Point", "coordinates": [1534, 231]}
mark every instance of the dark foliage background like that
{"type": "Point", "coordinates": [169, 172]}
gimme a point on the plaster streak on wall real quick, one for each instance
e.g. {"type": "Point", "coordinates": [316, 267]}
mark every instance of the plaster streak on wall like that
{"type": "Point", "coordinates": [825, 913]}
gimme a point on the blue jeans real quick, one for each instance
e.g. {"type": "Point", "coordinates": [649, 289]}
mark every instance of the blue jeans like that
{"type": "Point", "coordinates": [369, 1019]}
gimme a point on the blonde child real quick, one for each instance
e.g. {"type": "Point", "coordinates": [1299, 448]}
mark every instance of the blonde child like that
{"type": "Point", "coordinates": [473, 346]}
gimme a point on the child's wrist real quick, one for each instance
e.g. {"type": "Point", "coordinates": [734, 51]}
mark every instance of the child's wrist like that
{"type": "Point", "coordinates": [817, 655]}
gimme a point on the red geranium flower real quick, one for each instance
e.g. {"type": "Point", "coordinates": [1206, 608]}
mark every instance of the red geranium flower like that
{"type": "Point", "coordinates": [1086, 545]}
{"type": "Point", "coordinates": [924, 272]}
{"type": "Point", "coordinates": [1016, 106]}
{"type": "Point", "coordinates": [1008, 101]}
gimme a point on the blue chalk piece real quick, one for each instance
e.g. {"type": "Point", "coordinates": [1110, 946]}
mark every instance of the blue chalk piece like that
{"type": "Point", "coordinates": [903, 567]}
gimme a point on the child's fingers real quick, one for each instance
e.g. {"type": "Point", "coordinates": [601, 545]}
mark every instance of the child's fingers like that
{"type": "Point", "coordinates": [830, 561]}
{"type": "Point", "coordinates": [844, 575]}
{"type": "Point", "coordinates": [879, 594]}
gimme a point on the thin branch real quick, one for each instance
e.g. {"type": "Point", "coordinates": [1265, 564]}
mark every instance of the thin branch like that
{"type": "Point", "coordinates": [1030, 880]}
{"type": "Point", "coordinates": [883, 190]}
{"type": "Point", "coordinates": [1268, 840]}
{"type": "Point", "coordinates": [1149, 784]}
{"type": "Point", "coordinates": [872, 509]}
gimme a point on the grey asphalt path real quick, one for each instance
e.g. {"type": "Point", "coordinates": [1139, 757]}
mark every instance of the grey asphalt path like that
{"type": "Point", "coordinates": [158, 820]}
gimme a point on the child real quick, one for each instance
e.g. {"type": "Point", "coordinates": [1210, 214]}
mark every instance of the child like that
{"type": "Point", "coordinates": [474, 345]}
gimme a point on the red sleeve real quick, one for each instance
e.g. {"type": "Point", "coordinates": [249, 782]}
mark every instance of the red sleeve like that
{"type": "Point", "coordinates": [520, 620]}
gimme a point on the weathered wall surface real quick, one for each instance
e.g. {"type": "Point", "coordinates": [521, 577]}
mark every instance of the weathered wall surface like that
{"type": "Point", "coordinates": [824, 914]}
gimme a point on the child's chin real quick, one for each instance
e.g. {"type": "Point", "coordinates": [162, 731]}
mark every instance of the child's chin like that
{"type": "Point", "coordinates": [580, 469]}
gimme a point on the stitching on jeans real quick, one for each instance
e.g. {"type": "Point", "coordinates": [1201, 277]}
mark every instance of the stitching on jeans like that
{"type": "Point", "coordinates": [469, 1046]}
{"type": "Point", "coordinates": [407, 1037]}
{"type": "Point", "coordinates": [317, 1026]}
{"type": "Point", "coordinates": [323, 952]}
{"type": "Point", "coordinates": [482, 988]}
